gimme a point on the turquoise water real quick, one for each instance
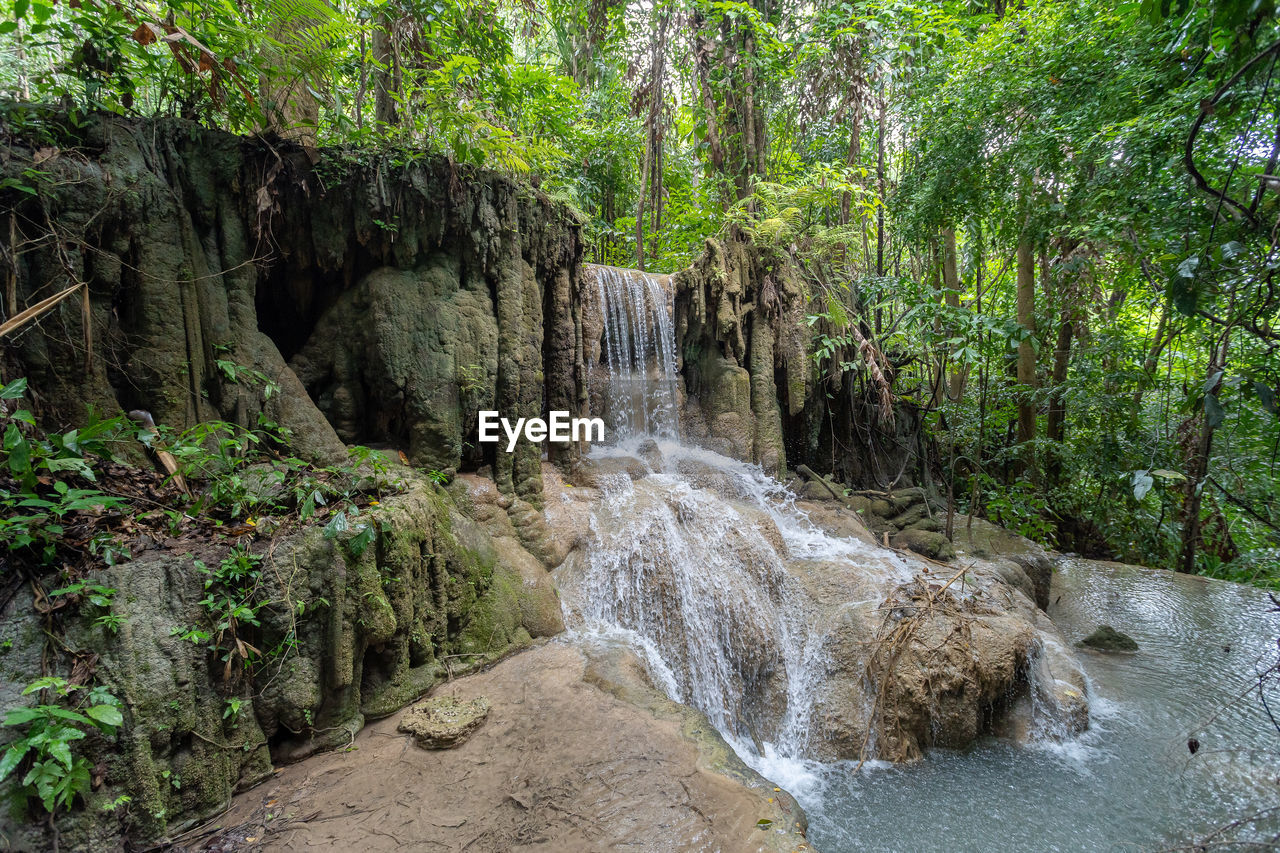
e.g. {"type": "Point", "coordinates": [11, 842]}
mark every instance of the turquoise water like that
{"type": "Point", "coordinates": [1130, 782]}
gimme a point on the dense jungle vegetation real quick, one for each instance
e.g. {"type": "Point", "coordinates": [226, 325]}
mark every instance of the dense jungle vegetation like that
{"type": "Point", "coordinates": [1052, 227]}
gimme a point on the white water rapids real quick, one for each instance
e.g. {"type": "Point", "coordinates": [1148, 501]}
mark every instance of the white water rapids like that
{"type": "Point", "coordinates": [690, 562]}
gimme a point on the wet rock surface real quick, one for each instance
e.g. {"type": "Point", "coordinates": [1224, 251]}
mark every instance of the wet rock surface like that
{"type": "Point", "coordinates": [1107, 639]}
{"type": "Point", "coordinates": [443, 722]}
{"type": "Point", "coordinates": [895, 653]}
{"type": "Point", "coordinates": [579, 752]}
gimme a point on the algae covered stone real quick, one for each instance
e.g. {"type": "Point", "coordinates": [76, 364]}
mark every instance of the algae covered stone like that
{"type": "Point", "coordinates": [1108, 639]}
{"type": "Point", "coordinates": [443, 722]}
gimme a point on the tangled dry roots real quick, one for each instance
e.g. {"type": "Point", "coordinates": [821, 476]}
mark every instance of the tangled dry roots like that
{"type": "Point", "coordinates": [942, 665]}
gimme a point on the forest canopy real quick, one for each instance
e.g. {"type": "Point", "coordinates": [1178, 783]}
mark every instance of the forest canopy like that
{"type": "Point", "coordinates": [1051, 228]}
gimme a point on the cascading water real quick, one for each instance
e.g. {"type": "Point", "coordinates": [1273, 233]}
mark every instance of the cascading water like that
{"type": "Point", "coordinates": [692, 562]}
{"type": "Point", "coordinates": [639, 351]}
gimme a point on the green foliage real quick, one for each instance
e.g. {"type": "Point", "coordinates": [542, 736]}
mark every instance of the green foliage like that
{"type": "Point", "coordinates": [98, 598]}
{"type": "Point", "coordinates": [37, 501]}
{"type": "Point", "coordinates": [243, 477]}
{"type": "Point", "coordinates": [55, 775]}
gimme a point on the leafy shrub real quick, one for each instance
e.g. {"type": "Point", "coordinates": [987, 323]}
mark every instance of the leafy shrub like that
{"type": "Point", "coordinates": [55, 775]}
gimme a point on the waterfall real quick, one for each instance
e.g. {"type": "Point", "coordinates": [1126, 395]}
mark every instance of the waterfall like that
{"type": "Point", "coordinates": [695, 562]}
{"type": "Point", "coordinates": [639, 352]}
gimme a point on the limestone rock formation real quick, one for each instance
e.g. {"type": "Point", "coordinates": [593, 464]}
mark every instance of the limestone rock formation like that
{"type": "Point", "coordinates": [235, 281]}
{"type": "Point", "coordinates": [443, 722]}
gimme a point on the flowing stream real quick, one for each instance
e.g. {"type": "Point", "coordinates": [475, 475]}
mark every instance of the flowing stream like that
{"type": "Point", "coordinates": [690, 561]}
{"type": "Point", "coordinates": [1129, 782]}
{"type": "Point", "coordinates": [693, 565]}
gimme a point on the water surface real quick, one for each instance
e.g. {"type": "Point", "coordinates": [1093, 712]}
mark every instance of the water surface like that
{"type": "Point", "coordinates": [1130, 782]}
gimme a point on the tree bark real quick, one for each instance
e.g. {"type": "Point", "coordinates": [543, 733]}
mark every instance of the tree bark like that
{"type": "Point", "coordinates": [386, 85]}
{"type": "Point", "coordinates": [951, 285]}
{"type": "Point", "coordinates": [1198, 465]}
{"type": "Point", "coordinates": [1056, 420]}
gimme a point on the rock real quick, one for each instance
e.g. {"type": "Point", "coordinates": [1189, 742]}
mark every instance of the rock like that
{"type": "Point", "coordinates": [880, 507]}
{"type": "Point", "coordinates": [1108, 639]}
{"type": "Point", "coordinates": [980, 538]}
{"type": "Point", "coordinates": [932, 525]}
{"type": "Point", "coordinates": [443, 722]}
{"type": "Point", "coordinates": [599, 745]}
{"type": "Point", "coordinates": [815, 491]}
{"type": "Point", "coordinates": [911, 516]}
{"type": "Point", "coordinates": [932, 545]}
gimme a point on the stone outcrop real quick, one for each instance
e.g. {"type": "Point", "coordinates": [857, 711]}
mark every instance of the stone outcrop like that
{"type": "Point", "coordinates": [739, 314]}
{"type": "Point", "coordinates": [442, 591]}
{"type": "Point", "coordinates": [382, 301]}
{"type": "Point", "coordinates": [909, 654]}
{"type": "Point", "coordinates": [443, 722]}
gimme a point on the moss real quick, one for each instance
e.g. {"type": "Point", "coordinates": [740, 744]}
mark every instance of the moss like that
{"type": "Point", "coordinates": [1108, 639]}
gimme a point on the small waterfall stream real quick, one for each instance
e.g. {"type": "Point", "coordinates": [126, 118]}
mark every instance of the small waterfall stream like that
{"type": "Point", "coordinates": [711, 572]}
{"type": "Point", "coordinates": [639, 352]}
{"type": "Point", "coordinates": [690, 562]}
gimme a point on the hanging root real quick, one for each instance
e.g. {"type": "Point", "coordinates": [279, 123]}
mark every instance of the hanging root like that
{"type": "Point", "coordinates": [924, 600]}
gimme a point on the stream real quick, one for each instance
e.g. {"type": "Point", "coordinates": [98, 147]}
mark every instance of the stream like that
{"type": "Point", "coordinates": [1129, 782]}
{"type": "Point", "coordinates": [700, 563]}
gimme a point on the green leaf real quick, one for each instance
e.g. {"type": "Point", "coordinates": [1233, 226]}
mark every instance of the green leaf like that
{"type": "Point", "coordinates": [362, 540]}
{"type": "Point", "coordinates": [17, 387]}
{"type": "Point", "coordinates": [1266, 396]}
{"type": "Point", "coordinates": [18, 716]}
{"type": "Point", "coordinates": [1213, 410]}
{"type": "Point", "coordinates": [106, 714]}
{"type": "Point", "coordinates": [12, 758]}
{"type": "Point", "coordinates": [337, 526]}
{"type": "Point", "coordinates": [1142, 484]}
{"type": "Point", "coordinates": [1183, 294]}
{"type": "Point", "coordinates": [64, 714]}
{"type": "Point", "coordinates": [61, 751]}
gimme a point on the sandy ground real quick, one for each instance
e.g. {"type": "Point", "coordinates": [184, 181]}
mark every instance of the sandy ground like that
{"type": "Point", "coordinates": [561, 764]}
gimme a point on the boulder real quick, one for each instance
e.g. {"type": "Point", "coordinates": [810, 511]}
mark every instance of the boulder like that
{"type": "Point", "coordinates": [443, 722]}
{"type": "Point", "coordinates": [1108, 639]}
{"type": "Point", "coordinates": [932, 545]}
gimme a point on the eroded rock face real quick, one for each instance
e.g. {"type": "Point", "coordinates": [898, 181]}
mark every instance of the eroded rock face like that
{"type": "Point", "coordinates": [445, 588]}
{"type": "Point", "coordinates": [381, 313]}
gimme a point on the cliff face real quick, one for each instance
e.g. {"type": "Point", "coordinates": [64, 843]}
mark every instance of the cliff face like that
{"type": "Point", "coordinates": [754, 390]}
{"type": "Point", "coordinates": [390, 298]}
{"type": "Point", "coordinates": [740, 330]}
{"type": "Point", "coordinates": [383, 300]}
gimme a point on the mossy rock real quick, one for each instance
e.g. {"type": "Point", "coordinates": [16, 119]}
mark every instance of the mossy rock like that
{"type": "Point", "coordinates": [932, 525]}
{"type": "Point", "coordinates": [880, 507]}
{"type": "Point", "coordinates": [1108, 639]}
{"type": "Point", "coordinates": [911, 516]}
{"type": "Point", "coordinates": [932, 545]}
{"type": "Point", "coordinates": [443, 722]}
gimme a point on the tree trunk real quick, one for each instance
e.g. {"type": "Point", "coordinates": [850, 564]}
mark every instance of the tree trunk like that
{"type": "Point", "coordinates": [702, 65]}
{"type": "Point", "coordinates": [1026, 351]}
{"type": "Point", "coordinates": [1056, 420]}
{"type": "Point", "coordinates": [951, 284]}
{"type": "Point", "coordinates": [653, 138]}
{"type": "Point", "coordinates": [1198, 464]}
{"type": "Point", "coordinates": [386, 86]}
{"type": "Point", "coordinates": [880, 191]}
{"type": "Point", "coordinates": [290, 108]}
